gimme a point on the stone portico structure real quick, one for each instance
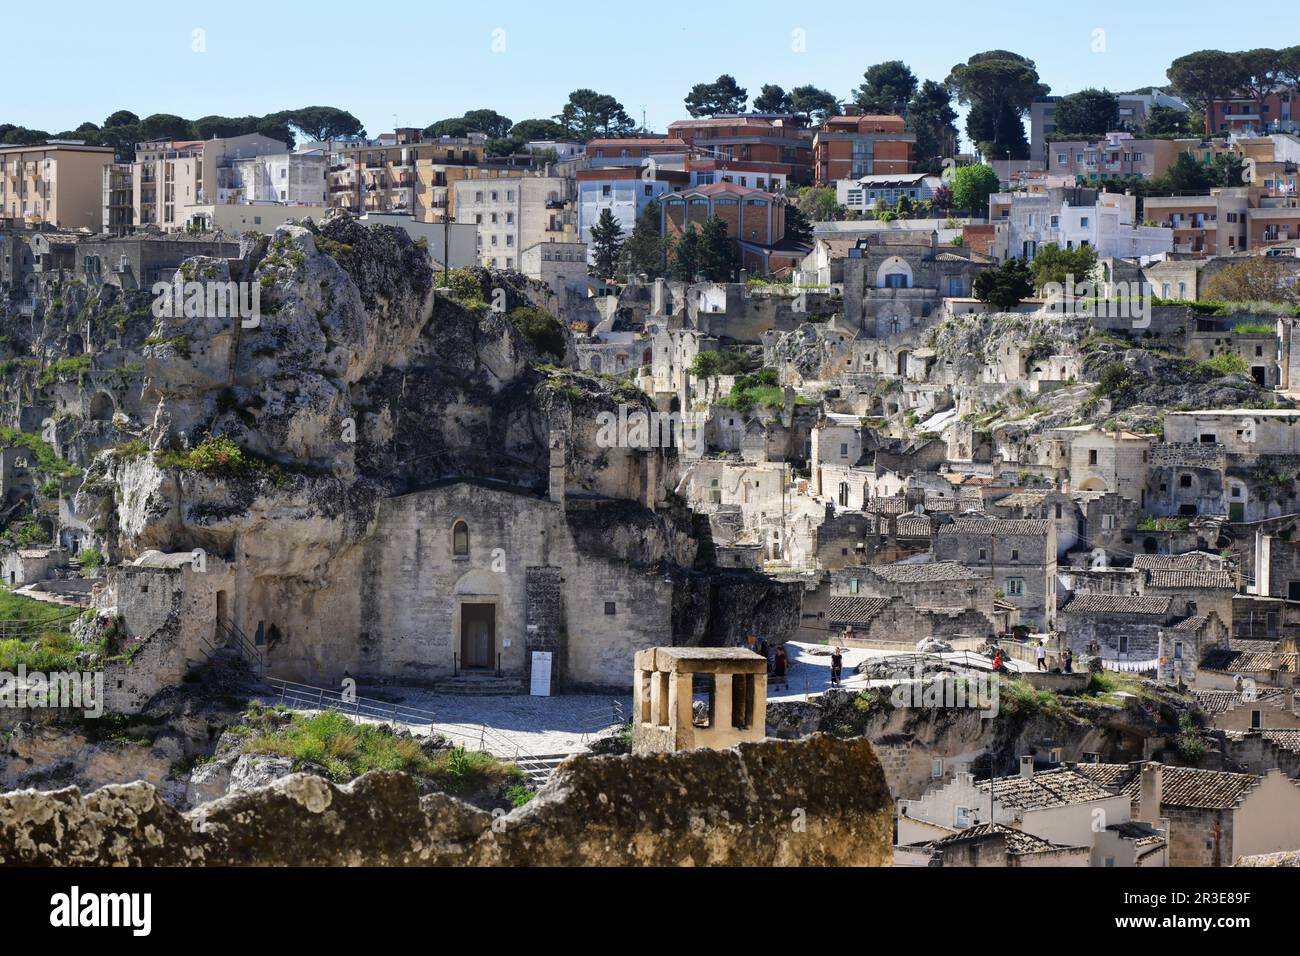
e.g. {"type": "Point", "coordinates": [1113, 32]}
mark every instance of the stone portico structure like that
{"type": "Point", "coordinates": [730, 684]}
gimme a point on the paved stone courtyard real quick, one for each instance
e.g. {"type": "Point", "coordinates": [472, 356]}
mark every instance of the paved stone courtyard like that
{"type": "Point", "coordinates": [511, 724]}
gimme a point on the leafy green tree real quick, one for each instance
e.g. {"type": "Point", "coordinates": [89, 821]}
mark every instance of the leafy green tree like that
{"type": "Point", "coordinates": [1187, 174]}
{"type": "Point", "coordinates": [887, 88]}
{"type": "Point", "coordinates": [319, 123]}
{"type": "Point", "coordinates": [1054, 264]}
{"type": "Point", "coordinates": [723, 95]}
{"type": "Point", "coordinates": [1005, 286]}
{"type": "Point", "coordinates": [998, 86]}
{"type": "Point", "coordinates": [772, 99]}
{"type": "Point", "coordinates": [819, 204]}
{"type": "Point", "coordinates": [972, 186]}
{"type": "Point", "coordinates": [1206, 76]}
{"type": "Point", "coordinates": [166, 126]}
{"type": "Point", "coordinates": [798, 228]}
{"type": "Point", "coordinates": [588, 115]}
{"type": "Point", "coordinates": [534, 129]}
{"type": "Point", "coordinates": [644, 251]}
{"type": "Point", "coordinates": [814, 104]}
{"type": "Point", "coordinates": [931, 117]}
{"type": "Point", "coordinates": [1226, 169]}
{"type": "Point", "coordinates": [122, 118]}
{"type": "Point", "coordinates": [686, 255]}
{"type": "Point", "coordinates": [1169, 121]}
{"type": "Point", "coordinates": [606, 244]}
{"type": "Point", "coordinates": [718, 260]}
{"type": "Point", "coordinates": [1089, 112]}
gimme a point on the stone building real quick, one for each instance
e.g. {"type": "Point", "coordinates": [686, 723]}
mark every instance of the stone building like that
{"type": "Point", "coordinates": [1121, 630]}
{"type": "Point", "coordinates": [897, 284]}
{"type": "Point", "coordinates": [465, 578]}
{"type": "Point", "coordinates": [1183, 646]}
{"type": "Point", "coordinates": [1187, 478]}
{"type": "Point", "coordinates": [1216, 817]}
{"type": "Point", "coordinates": [1019, 554]}
{"type": "Point", "coordinates": [1106, 461]}
{"type": "Point", "coordinates": [1194, 591]}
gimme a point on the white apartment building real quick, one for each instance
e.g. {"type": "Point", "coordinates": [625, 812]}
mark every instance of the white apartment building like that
{"type": "Point", "coordinates": [298, 179]}
{"type": "Point", "coordinates": [1107, 223]}
{"type": "Point", "coordinates": [515, 213]}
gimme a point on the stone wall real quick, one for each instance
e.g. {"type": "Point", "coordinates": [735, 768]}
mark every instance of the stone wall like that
{"type": "Point", "coordinates": [816, 802]}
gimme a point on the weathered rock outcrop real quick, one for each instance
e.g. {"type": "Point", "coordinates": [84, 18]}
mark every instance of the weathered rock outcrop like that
{"type": "Point", "coordinates": [814, 802]}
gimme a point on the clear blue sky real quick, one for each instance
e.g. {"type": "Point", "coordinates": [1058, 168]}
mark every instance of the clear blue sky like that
{"type": "Point", "coordinates": [430, 60]}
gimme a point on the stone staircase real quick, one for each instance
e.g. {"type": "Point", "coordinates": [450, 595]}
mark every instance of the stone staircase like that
{"type": "Point", "coordinates": [479, 684]}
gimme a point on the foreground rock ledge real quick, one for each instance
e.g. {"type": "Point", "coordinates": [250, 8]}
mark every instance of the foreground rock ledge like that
{"type": "Point", "coordinates": [817, 801]}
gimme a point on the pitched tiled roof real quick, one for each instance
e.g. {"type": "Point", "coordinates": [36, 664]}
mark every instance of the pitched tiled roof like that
{"type": "Point", "coordinates": [1058, 787]}
{"type": "Point", "coordinates": [1190, 579]}
{"type": "Point", "coordinates": [851, 609]}
{"type": "Point", "coordinates": [999, 526]}
{"type": "Point", "coordinates": [1192, 561]}
{"type": "Point", "coordinates": [1197, 789]}
{"type": "Point", "coordinates": [1216, 702]}
{"type": "Point", "coordinates": [893, 505]}
{"type": "Point", "coordinates": [1157, 605]}
{"type": "Point", "coordinates": [923, 573]}
{"type": "Point", "coordinates": [915, 526]}
{"type": "Point", "coordinates": [1191, 623]}
{"type": "Point", "coordinates": [1112, 776]}
{"type": "Point", "coordinates": [1286, 739]}
{"type": "Point", "coordinates": [1234, 661]}
{"type": "Point", "coordinates": [1018, 841]}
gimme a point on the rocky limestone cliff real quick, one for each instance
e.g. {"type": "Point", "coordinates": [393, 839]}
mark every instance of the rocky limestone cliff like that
{"type": "Point", "coordinates": [819, 802]}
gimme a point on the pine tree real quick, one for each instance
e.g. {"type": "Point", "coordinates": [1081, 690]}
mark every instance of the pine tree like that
{"type": "Point", "coordinates": [644, 251]}
{"type": "Point", "coordinates": [686, 255]}
{"type": "Point", "coordinates": [718, 259]}
{"type": "Point", "coordinates": [606, 244]}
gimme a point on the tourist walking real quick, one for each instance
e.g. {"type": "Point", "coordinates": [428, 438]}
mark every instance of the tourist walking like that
{"type": "Point", "coordinates": [837, 665]}
{"type": "Point", "coordinates": [1040, 654]}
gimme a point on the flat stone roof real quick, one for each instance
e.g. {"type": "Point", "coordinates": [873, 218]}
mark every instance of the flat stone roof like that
{"type": "Point", "coordinates": [725, 660]}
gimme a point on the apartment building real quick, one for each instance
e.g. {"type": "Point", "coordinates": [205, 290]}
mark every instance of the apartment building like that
{"type": "Point", "coordinates": [170, 176]}
{"type": "Point", "coordinates": [57, 183]}
{"type": "Point", "coordinates": [868, 192]}
{"type": "Point", "coordinates": [637, 151]}
{"type": "Point", "coordinates": [514, 212]}
{"type": "Point", "coordinates": [849, 147]}
{"type": "Point", "coordinates": [1134, 109]}
{"type": "Point", "coordinates": [403, 173]}
{"type": "Point", "coordinates": [1117, 156]}
{"type": "Point", "coordinates": [1277, 112]}
{"type": "Point", "coordinates": [624, 190]}
{"type": "Point", "coordinates": [1074, 217]}
{"type": "Point", "coordinates": [1203, 225]}
{"type": "Point", "coordinates": [774, 143]}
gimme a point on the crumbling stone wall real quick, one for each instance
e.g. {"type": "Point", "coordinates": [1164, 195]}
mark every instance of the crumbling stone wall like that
{"type": "Point", "coordinates": [816, 802]}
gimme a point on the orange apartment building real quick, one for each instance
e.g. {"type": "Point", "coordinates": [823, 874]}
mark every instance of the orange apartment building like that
{"type": "Point", "coordinates": [1278, 110]}
{"type": "Point", "coordinates": [633, 151]}
{"type": "Point", "coordinates": [1203, 225]}
{"type": "Point", "coordinates": [780, 145]}
{"type": "Point", "coordinates": [850, 147]}
{"type": "Point", "coordinates": [54, 184]}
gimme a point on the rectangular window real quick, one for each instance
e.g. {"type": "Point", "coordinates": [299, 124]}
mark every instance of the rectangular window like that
{"type": "Point", "coordinates": [1015, 586]}
{"type": "Point", "coordinates": [609, 607]}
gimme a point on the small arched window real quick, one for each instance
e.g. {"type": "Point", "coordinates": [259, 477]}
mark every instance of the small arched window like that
{"type": "Point", "coordinates": [460, 539]}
